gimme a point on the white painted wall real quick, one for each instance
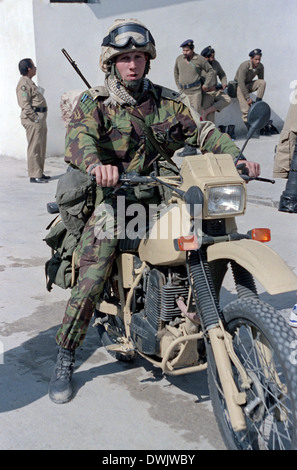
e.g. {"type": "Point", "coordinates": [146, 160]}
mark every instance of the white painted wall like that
{"type": "Point", "coordinates": [16, 42]}
{"type": "Point", "coordinates": [40, 29]}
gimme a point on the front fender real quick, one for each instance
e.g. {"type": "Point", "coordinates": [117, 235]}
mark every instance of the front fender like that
{"type": "Point", "coordinates": [260, 260]}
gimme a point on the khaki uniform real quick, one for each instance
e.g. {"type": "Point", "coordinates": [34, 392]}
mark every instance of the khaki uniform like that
{"type": "Point", "coordinates": [187, 76]}
{"type": "Point", "coordinates": [29, 96]}
{"type": "Point", "coordinates": [286, 144]}
{"type": "Point", "coordinates": [216, 98]}
{"type": "Point", "coordinates": [246, 84]}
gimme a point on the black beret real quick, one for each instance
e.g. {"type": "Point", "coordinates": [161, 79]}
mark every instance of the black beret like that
{"type": "Point", "coordinates": [187, 43]}
{"type": "Point", "coordinates": [255, 52]}
{"type": "Point", "coordinates": [207, 51]}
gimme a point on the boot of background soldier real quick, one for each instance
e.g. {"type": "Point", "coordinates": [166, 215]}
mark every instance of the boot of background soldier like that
{"type": "Point", "coordinates": [270, 129]}
{"type": "Point", "coordinates": [231, 131]}
{"type": "Point", "coordinates": [256, 134]}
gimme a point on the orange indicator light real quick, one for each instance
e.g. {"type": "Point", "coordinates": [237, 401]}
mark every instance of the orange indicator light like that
{"type": "Point", "coordinates": [261, 234]}
{"type": "Point", "coordinates": [188, 242]}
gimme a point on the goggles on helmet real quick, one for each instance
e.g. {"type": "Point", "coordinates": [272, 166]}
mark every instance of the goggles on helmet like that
{"type": "Point", "coordinates": [122, 35]}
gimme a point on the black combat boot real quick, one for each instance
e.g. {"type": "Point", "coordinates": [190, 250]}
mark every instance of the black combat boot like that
{"type": "Point", "coordinates": [231, 131]}
{"type": "Point", "coordinates": [60, 388]}
{"type": "Point", "coordinates": [222, 129]}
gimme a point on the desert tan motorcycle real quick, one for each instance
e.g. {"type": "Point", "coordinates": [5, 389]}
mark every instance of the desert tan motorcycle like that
{"type": "Point", "coordinates": [162, 302]}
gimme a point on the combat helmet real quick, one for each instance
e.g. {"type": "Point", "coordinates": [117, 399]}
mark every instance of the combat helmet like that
{"type": "Point", "coordinates": [125, 36]}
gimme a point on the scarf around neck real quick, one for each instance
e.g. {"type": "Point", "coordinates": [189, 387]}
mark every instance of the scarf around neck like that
{"type": "Point", "coordinates": [118, 94]}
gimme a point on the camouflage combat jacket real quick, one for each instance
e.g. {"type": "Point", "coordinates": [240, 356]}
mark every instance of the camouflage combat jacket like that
{"type": "Point", "coordinates": [101, 133]}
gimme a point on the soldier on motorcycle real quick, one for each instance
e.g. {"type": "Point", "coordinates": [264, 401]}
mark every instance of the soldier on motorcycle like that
{"type": "Point", "coordinates": [103, 139]}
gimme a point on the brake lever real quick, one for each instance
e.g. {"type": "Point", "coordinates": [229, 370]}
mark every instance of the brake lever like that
{"type": "Point", "coordinates": [257, 178]}
{"type": "Point", "coordinates": [245, 175]}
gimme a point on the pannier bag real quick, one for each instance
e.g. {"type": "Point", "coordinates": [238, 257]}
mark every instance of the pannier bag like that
{"type": "Point", "coordinates": [75, 196]}
{"type": "Point", "coordinates": [61, 268]}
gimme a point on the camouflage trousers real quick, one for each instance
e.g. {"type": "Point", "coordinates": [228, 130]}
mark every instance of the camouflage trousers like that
{"type": "Point", "coordinates": [96, 257]}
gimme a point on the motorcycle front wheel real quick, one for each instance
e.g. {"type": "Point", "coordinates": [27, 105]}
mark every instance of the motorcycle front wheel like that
{"type": "Point", "coordinates": [266, 346]}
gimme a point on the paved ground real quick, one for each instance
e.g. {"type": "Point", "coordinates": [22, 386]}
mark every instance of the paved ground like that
{"type": "Point", "coordinates": [117, 406]}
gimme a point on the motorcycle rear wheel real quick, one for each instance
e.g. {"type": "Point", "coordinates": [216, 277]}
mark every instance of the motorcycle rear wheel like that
{"type": "Point", "coordinates": [270, 412]}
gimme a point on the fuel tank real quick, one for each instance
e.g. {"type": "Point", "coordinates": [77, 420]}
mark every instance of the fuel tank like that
{"type": "Point", "coordinates": [158, 247]}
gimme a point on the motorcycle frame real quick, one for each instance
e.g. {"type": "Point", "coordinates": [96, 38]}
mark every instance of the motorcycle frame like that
{"type": "Point", "coordinates": [258, 259]}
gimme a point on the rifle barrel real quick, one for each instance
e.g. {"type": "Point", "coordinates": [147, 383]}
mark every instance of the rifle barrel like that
{"type": "Point", "coordinates": [75, 67]}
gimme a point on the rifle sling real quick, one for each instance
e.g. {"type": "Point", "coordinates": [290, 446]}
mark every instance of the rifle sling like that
{"type": "Point", "coordinates": [149, 134]}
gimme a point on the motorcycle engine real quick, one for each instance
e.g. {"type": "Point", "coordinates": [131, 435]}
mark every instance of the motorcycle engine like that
{"type": "Point", "coordinates": [161, 289]}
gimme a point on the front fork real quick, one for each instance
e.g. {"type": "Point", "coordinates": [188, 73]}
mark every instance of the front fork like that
{"type": "Point", "coordinates": [220, 340]}
{"type": "Point", "coordinates": [222, 348]}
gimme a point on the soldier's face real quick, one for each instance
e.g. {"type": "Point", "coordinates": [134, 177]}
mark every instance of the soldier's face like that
{"type": "Point", "coordinates": [211, 58]}
{"type": "Point", "coordinates": [188, 52]}
{"type": "Point", "coordinates": [131, 65]}
{"type": "Point", "coordinates": [255, 60]}
{"type": "Point", "coordinates": [32, 70]}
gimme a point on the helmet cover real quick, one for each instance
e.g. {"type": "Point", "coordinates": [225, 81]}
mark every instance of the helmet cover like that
{"type": "Point", "coordinates": [125, 36]}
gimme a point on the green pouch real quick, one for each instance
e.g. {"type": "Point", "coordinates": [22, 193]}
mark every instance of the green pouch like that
{"type": "Point", "coordinates": [75, 197]}
{"type": "Point", "coordinates": [56, 234]}
{"type": "Point", "coordinates": [58, 272]}
{"type": "Point", "coordinates": [61, 268]}
{"type": "Point", "coordinates": [144, 191]}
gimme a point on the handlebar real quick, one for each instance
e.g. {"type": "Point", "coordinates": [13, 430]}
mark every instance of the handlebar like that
{"type": "Point", "coordinates": [257, 178]}
{"type": "Point", "coordinates": [245, 175]}
{"type": "Point", "coordinates": [136, 179]}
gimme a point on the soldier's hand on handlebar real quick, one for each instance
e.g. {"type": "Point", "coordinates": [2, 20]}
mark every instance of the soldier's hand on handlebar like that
{"type": "Point", "coordinates": [106, 176]}
{"type": "Point", "coordinates": [248, 168]}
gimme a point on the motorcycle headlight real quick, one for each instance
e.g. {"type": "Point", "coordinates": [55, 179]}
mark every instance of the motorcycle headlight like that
{"type": "Point", "coordinates": [225, 200]}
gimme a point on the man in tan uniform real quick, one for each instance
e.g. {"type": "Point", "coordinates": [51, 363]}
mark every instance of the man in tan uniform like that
{"type": "Point", "coordinates": [214, 100]}
{"type": "Point", "coordinates": [33, 118]}
{"type": "Point", "coordinates": [286, 144]}
{"type": "Point", "coordinates": [187, 74]}
{"type": "Point", "coordinates": [245, 75]}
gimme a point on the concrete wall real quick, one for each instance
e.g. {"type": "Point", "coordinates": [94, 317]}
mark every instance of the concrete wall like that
{"type": "Point", "coordinates": [40, 29]}
{"type": "Point", "coordinates": [16, 42]}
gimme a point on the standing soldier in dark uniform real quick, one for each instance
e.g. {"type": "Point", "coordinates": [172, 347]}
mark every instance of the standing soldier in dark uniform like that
{"type": "Point", "coordinates": [33, 118]}
{"type": "Point", "coordinates": [245, 75]}
{"type": "Point", "coordinates": [214, 100]}
{"type": "Point", "coordinates": [188, 70]}
{"type": "Point", "coordinates": [104, 140]}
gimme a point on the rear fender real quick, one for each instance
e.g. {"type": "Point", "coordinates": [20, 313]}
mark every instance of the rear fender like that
{"type": "Point", "coordinates": [261, 261]}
